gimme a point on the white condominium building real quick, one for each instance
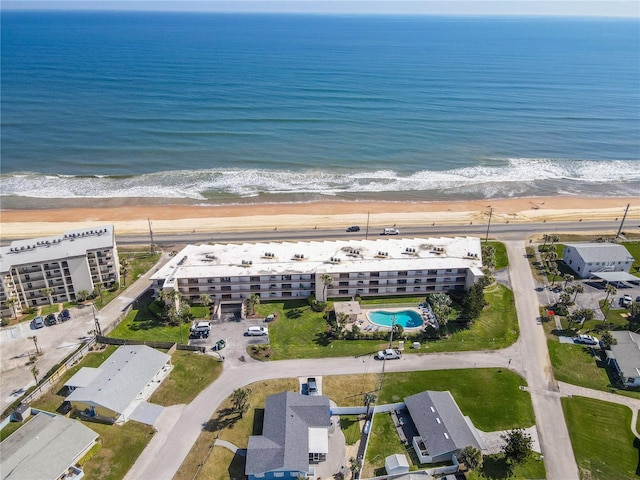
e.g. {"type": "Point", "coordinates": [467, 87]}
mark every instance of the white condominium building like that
{"type": "Point", "coordinates": [54, 269]}
{"type": "Point", "coordinates": [405, 266]}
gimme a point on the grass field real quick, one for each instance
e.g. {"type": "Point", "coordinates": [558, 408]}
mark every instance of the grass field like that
{"type": "Point", "coordinates": [299, 332]}
{"type": "Point", "coordinates": [142, 324]}
{"type": "Point", "coordinates": [503, 406]}
{"type": "Point", "coordinates": [496, 467]}
{"type": "Point", "coordinates": [634, 250]}
{"type": "Point", "coordinates": [501, 258]}
{"type": "Point", "coordinates": [350, 426]}
{"type": "Point", "coordinates": [192, 372]}
{"type": "Point", "coordinates": [384, 441]}
{"type": "Point", "coordinates": [603, 444]}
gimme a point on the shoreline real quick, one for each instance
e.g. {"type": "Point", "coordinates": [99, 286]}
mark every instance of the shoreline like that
{"type": "Point", "coordinates": [184, 218]}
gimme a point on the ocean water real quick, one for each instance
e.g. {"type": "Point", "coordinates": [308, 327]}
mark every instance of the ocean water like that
{"type": "Point", "coordinates": [212, 108]}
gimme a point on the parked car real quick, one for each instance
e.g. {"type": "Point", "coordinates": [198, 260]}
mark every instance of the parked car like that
{"type": "Point", "coordinates": [389, 354]}
{"type": "Point", "coordinates": [200, 330]}
{"type": "Point", "coordinates": [390, 231]}
{"type": "Point", "coordinates": [64, 315]}
{"type": "Point", "coordinates": [38, 322]}
{"type": "Point", "coordinates": [50, 320]}
{"type": "Point", "coordinates": [586, 339]}
{"type": "Point", "coordinates": [354, 228]}
{"type": "Point", "coordinates": [270, 318]}
{"type": "Point", "coordinates": [256, 331]}
{"type": "Point", "coordinates": [626, 300]}
{"type": "Point", "coordinates": [312, 386]}
{"type": "Point", "coordinates": [219, 345]}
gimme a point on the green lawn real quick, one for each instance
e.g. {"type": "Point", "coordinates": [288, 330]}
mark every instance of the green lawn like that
{"type": "Point", "coordinates": [501, 258]}
{"type": "Point", "coordinates": [490, 397]}
{"type": "Point", "coordinates": [601, 437]}
{"type": "Point", "coordinates": [350, 426]}
{"type": "Point", "coordinates": [192, 372]}
{"type": "Point", "coordinates": [120, 448]}
{"type": "Point", "coordinates": [384, 441]}
{"type": "Point", "coordinates": [495, 466]}
{"type": "Point", "coordinates": [634, 250]}
{"type": "Point", "coordinates": [299, 331]}
{"type": "Point", "coordinates": [142, 324]}
{"type": "Point", "coordinates": [139, 263]}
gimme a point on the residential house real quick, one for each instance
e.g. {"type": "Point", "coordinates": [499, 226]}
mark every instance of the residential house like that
{"type": "Point", "coordinates": [112, 391]}
{"type": "Point", "coordinates": [295, 436]}
{"type": "Point", "coordinates": [588, 258]}
{"type": "Point", "coordinates": [625, 357]}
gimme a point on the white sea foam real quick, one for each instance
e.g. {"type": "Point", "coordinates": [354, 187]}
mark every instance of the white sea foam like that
{"type": "Point", "coordinates": [499, 177]}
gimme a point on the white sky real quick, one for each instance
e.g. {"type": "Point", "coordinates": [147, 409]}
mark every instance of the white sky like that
{"type": "Point", "coordinates": [605, 8]}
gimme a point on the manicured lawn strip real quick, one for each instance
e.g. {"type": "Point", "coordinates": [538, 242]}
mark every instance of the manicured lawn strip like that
{"type": "Point", "coordinates": [601, 437]}
{"type": "Point", "coordinates": [575, 364]}
{"type": "Point", "coordinates": [490, 397]}
{"type": "Point", "coordinates": [350, 426]}
{"type": "Point", "coordinates": [384, 441]}
{"type": "Point", "coordinates": [192, 372]}
{"type": "Point", "coordinates": [121, 446]}
{"type": "Point", "coordinates": [299, 332]}
{"type": "Point", "coordinates": [495, 466]}
{"type": "Point", "coordinates": [415, 299]}
{"type": "Point", "coordinates": [634, 250]}
{"type": "Point", "coordinates": [200, 312]}
{"type": "Point", "coordinates": [47, 309]}
{"type": "Point", "coordinates": [501, 258]}
{"type": "Point", "coordinates": [142, 324]}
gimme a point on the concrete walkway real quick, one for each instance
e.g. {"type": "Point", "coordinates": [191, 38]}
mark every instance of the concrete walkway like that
{"type": "Point", "coordinates": [230, 446]}
{"type": "Point", "coordinates": [570, 390]}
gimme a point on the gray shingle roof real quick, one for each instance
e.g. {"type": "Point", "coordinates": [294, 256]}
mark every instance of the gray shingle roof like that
{"type": "Point", "coordinates": [44, 447]}
{"type": "Point", "coordinates": [627, 352]}
{"type": "Point", "coordinates": [284, 443]}
{"type": "Point", "coordinates": [122, 377]}
{"type": "Point", "coordinates": [601, 252]}
{"type": "Point", "coordinates": [440, 422]}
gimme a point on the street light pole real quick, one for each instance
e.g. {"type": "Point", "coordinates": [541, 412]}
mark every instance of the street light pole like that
{"type": "Point", "coordinates": [366, 235]}
{"type": "Point", "coordinates": [486, 239]}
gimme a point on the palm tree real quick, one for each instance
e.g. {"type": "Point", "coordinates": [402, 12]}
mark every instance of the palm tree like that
{"type": "Point", "coordinates": [553, 239]}
{"type": "Point", "coordinates": [327, 280]}
{"type": "Point", "coordinates": [577, 288]}
{"type": "Point", "coordinates": [35, 371]}
{"type": "Point", "coordinates": [98, 288]}
{"type": "Point", "coordinates": [46, 292]}
{"type": "Point", "coordinates": [11, 303]}
{"type": "Point", "coordinates": [35, 342]}
{"type": "Point", "coordinates": [611, 290]}
{"type": "Point", "coordinates": [551, 256]}
{"type": "Point", "coordinates": [83, 295]}
{"type": "Point", "coordinates": [369, 398]}
{"type": "Point", "coordinates": [124, 269]}
{"type": "Point", "coordinates": [471, 457]}
{"type": "Point", "coordinates": [554, 272]}
{"type": "Point", "coordinates": [567, 277]}
{"type": "Point", "coordinates": [565, 299]}
{"type": "Point", "coordinates": [252, 301]}
{"type": "Point", "coordinates": [546, 238]}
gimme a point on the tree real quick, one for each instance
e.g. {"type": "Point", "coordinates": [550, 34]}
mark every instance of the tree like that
{"type": "Point", "coordinates": [610, 290]}
{"type": "Point", "coordinates": [327, 280]}
{"type": "Point", "coordinates": [471, 457]}
{"type": "Point", "coordinates": [607, 339]}
{"type": "Point", "coordinates": [554, 272]}
{"type": "Point", "coordinates": [124, 269]}
{"type": "Point", "coordinates": [551, 256]}
{"type": "Point", "coordinates": [35, 371]}
{"type": "Point", "coordinates": [546, 237]}
{"type": "Point", "coordinates": [441, 306]}
{"type": "Point", "coordinates": [369, 399]}
{"type": "Point", "coordinates": [577, 288]}
{"type": "Point", "coordinates": [252, 301]}
{"type": "Point", "coordinates": [98, 288]}
{"type": "Point", "coordinates": [240, 400]}
{"type": "Point", "coordinates": [634, 313]}
{"type": "Point", "coordinates": [205, 300]}
{"type": "Point", "coordinates": [83, 295]}
{"type": "Point", "coordinates": [518, 445]}
{"type": "Point", "coordinates": [553, 239]}
{"type": "Point", "coordinates": [46, 292]}
{"type": "Point", "coordinates": [488, 256]}
{"type": "Point", "coordinates": [567, 277]}
{"type": "Point", "coordinates": [35, 342]}
{"type": "Point", "coordinates": [11, 303]}
{"type": "Point", "coordinates": [565, 299]}
{"type": "Point", "coordinates": [354, 466]}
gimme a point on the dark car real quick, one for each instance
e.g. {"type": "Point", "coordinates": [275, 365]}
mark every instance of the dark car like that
{"type": "Point", "coordinates": [353, 228]}
{"type": "Point", "coordinates": [64, 315]}
{"type": "Point", "coordinates": [50, 320]}
{"type": "Point", "coordinates": [312, 386]}
{"type": "Point", "coordinates": [220, 344]}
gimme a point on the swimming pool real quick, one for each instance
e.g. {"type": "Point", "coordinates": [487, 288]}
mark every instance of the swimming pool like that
{"type": "Point", "coordinates": [406, 318]}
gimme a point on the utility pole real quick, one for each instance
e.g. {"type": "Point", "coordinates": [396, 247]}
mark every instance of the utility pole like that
{"type": "Point", "coordinates": [95, 320]}
{"type": "Point", "coordinates": [486, 238]}
{"type": "Point", "coordinates": [153, 246]}
{"type": "Point", "coordinates": [622, 222]}
{"type": "Point", "coordinates": [384, 358]}
{"type": "Point", "coordinates": [366, 235]}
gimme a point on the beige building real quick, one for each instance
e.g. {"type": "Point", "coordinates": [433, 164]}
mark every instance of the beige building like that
{"type": "Point", "coordinates": [40, 271]}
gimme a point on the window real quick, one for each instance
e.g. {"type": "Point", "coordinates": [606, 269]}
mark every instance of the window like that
{"type": "Point", "coordinates": [278, 474]}
{"type": "Point", "coordinates": [226, 279]}
{"type": "Point", "coordinates": [27, 277]}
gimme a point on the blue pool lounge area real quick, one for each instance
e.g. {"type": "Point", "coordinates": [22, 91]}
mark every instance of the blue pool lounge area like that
{"type": "Point", "coordinates": [406, 318]}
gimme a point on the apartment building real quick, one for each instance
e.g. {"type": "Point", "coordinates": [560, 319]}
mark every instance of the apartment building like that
{"type": "Point", "coordinates": [404, 266]}
{"type": "Point", "coordinates": [54, 269]}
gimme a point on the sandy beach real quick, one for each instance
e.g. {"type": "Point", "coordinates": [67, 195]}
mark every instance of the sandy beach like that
{"type": "Point", "coordinates": [291, 216]}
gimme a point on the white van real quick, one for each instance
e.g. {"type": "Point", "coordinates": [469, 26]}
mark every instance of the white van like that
{"type": "Point", "coordinates": [391, 231]}
{"type": "Point", "coordinates": [257, 331]}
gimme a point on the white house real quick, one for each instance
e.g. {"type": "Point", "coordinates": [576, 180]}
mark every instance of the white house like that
{"type": "Point", "coordinates": [588, 258]}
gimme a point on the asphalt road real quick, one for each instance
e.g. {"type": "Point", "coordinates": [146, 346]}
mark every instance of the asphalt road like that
{"type": "Point", "coordinates": [505, 231]}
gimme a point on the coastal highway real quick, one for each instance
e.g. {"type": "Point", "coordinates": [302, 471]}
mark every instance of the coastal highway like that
{"type": "Point", "coordinates": [501, 231]}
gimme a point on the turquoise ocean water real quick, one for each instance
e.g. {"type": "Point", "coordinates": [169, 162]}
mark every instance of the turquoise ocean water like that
{"type": "Point", "coordinates": [241, 108]}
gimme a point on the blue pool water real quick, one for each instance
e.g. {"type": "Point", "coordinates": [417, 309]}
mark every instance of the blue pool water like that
{"type": "Point", "coordinates": [406, 318]}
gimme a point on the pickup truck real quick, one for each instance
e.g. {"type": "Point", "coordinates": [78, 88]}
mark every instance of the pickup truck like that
{"type": "Point", "coordinates": [389, 354]}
